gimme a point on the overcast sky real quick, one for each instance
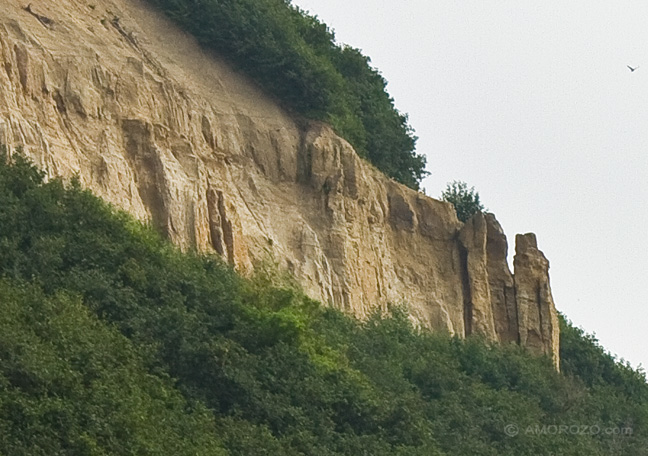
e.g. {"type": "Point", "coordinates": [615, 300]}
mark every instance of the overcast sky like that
{"type": "Point", "coordinates": [532, 103]}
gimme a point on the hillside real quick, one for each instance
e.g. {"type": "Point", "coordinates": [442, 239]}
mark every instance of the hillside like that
{"type": "Point", "coordinates": [112, 341]}
{"type": "Point", "coordinates": [168, 131]}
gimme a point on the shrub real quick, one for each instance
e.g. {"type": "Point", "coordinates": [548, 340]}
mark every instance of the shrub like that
{"type": "Point", "coordinates": [465, 200]}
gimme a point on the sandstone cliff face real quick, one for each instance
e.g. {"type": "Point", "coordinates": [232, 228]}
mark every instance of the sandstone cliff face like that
{"type": "Point", "coordinates": [537, 317]}
{"type": "Point", "coordinates": [113, 92]}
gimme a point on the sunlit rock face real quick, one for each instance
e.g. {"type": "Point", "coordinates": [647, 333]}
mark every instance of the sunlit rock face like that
{"type": "Point", "coordinates": [114, 93]}
{"type": "Point", "coordinates": [502, 306]}
{"type": "Point", "coordinates": [537, 316]}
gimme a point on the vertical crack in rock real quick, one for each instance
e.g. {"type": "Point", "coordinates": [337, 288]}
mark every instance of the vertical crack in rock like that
{"type": "Point", "coordinates": [226, 227]}
{"type": "Point", "coordinates": [22, 61]}
{"type": "Point", "coordinates": [465, 287]}
{"type": "Point", "coordinates": [148, 170]}
{"type": "Point", "coordinates": [473, 240]}
{"type": "Point", "coordinates": [539, 309]}
{"type": "Point", "coordinates": [511, 332]}
{"type": "Point", "coordinates": [207, 132]}
{"type": "Point", "coordinates": [215, 229]}
{"type": "Point", "coordinates": [59, 102]}
{"type": "Point", "coordinates": [349, 166]}
{"type": "Point", "coordinates": [190, 215]}
{"type": "Point", "coordinates": [304, 162]}
{"type": "Point", "coordinates": [221, 228]}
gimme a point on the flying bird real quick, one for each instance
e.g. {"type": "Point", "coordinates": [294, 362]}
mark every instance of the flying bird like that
{"type": "Point", "coordinates": [632, 69]}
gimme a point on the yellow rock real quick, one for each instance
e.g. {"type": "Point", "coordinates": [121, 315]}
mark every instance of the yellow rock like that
{"type": "Point", "coordinates": [117, 94]}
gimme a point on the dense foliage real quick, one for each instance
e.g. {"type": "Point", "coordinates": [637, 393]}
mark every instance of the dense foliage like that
{"type": "Point", "coordinates": [113, 342]}
{"type": "Point", "coordinates": [294, 56]}
{"type": "Point", "coordinates": [71, 384]}
{"type": "Point", "coordinates": [465, 200]}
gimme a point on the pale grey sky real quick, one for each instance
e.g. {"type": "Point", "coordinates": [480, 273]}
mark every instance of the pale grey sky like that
{"type": "Point", "coordinates": [532, 103]}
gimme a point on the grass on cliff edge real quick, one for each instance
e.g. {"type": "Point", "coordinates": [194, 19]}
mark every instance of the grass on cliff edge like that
{"type": "Point", "coordinates": [114, 342]}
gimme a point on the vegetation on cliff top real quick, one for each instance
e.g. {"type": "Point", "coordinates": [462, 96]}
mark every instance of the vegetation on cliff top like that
{"type": "Point", "coordinates": [465, 200]}
{"type": "Point", "coordinates": [114, 342]}
{"type": "Point", "coordinates": [294, 57]}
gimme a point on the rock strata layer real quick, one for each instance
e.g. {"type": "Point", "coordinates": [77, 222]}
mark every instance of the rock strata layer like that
{"type": "Point", "coordinates": [115, 93]}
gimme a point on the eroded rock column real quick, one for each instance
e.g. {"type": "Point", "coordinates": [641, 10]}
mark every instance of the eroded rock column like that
{"type": "Point", "coordinates": [501, 284]}
{"type": "Point", "coordinates": [537, 316]}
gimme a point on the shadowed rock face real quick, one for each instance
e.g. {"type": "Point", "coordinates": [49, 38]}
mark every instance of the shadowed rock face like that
{"type": "Point", "coordinates": [160, 128]}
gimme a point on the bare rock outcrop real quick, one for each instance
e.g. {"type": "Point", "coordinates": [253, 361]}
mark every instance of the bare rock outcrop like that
{"type": "Point", "coordinates": [537, 316]}
{"type": "Point", "coordinates": [501, 283]}
{"type": "Point", "coordinates": [498, 305]}
{"type": "Point", "coordinates": [115, 93]}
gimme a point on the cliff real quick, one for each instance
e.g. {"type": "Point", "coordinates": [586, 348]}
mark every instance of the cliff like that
{"type": "Point", "coordinates": [115, 93]}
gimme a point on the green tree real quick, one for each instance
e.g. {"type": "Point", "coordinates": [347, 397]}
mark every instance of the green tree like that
{"type": "Point", "coordinates": [465, 200]}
